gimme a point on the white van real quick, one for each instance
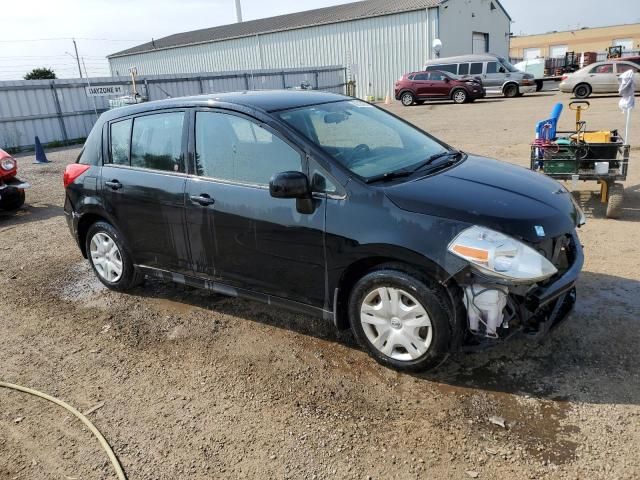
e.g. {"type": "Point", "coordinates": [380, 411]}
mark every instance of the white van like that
{"type": "Point", "coordinates": [496, 73]}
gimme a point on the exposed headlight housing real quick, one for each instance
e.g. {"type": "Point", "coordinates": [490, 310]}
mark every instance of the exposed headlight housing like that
{"type": "Point", "coordinates": [497, 255]}
{"type": "Point", "coordinates": [7, 164]}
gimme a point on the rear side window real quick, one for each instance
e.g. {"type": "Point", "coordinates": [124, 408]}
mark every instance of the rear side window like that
{"type": "Point", "coordinates": [91, 153]}
{"type": "Point", "coordinates": [492, 67]}
{"type": "Point", "coordinates": [156, 142]}
{"type": "Point", "coordinates": [463, 69]}
{"type": "Point", "coordinates": [239, 150]}
{"type": "Point", "coordinates": [476, 68]}
{"type": "Point", "coordinates": [120, 142]}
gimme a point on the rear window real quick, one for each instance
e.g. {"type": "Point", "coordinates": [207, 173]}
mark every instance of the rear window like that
{"type": "Point", "coordinates": [156, 142]}
{"type": "Point", "coordinates": [476, 68]}
{"type": "Point", "coordinates": [451, 68]}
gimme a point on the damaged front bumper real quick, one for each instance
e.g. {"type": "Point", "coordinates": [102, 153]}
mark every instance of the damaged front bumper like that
{"type": "Point", "coordinates": [14, 182]}
{"type": "Point", "coordinates": [500, 311]}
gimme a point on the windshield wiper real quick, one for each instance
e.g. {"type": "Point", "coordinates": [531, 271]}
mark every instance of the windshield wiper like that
{"type": "Point", "coordinates": [405, 173]}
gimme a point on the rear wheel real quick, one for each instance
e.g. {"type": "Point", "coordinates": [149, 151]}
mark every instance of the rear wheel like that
{"type": "Point", "coordinates": [459, 96]}
{"type": "Point", "coordinates": [616, 197]}
{"type": "Point", "coordinates": [582, 91]}
{"type": "Point", "coordinates": [400, 320]}
{"type": "Point", "coordinates": [407, 99]}
{"type": "Point", "coordinates": [11, 198]}
{"type": "Point", "coordinates": [110, 258]}
{"type": "Point", "coordinates": [511, 90]}
{"type": "Point", "coordinates": [539, 85]}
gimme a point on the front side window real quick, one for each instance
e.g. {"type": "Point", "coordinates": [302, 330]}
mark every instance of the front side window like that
{"type": "Point", "coordinates": [120, 142]}
{"type": "Point", "coordinates": [492, 67]}
{"type": "Point", "coordinates": [476, 68]}
{"type": "Point", "coordinates": [451, 68]}
{"type": "Point", "coordinates": [236, 149]}
{"type": "Point", "coordinates": [156, 142]}
{"type": "Point", "coordinates": [623, 67]}
{"type": "Point", "coordinates": [437, 77]}
{"type": "Point", "coordinates": [463, 69]}
{"type": "Point", "coordinates": [421, 76]}
{"type": "Point", "coordinates": [364, 139]}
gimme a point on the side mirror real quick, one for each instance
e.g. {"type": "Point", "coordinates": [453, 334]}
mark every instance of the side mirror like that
{"type": "Point", "coordinates": [289, 185]}
{"type": "Point", "coordinates": [446, 80]}
{"type": "Point", "coordinates": [501, 70]}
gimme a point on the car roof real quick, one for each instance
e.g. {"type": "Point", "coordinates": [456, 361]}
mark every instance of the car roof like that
{"type": "Point", "coordinates": [604, 62]}
{"type": "Point", "coordinates": [476, 57]}
{"type": "Point", "coordinates": [264, 100]}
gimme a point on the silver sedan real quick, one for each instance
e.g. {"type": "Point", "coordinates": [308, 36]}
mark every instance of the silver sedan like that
{"type": "Point", "coordinates": [601, 77]}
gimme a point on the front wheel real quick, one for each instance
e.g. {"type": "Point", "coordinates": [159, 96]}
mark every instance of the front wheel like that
{"type": "Point", "coordinates": [511, 90]}
{"type": "Point", "coordinates": [400, 320]}
{"type": "Point", "coordinates": [407, 99]}
{"type": "Point", "coordinates": [459, 96]}
{"type": "Point", "coordinates": [11, 199]}
{"type": "Point", "coordinates": [110, 258]}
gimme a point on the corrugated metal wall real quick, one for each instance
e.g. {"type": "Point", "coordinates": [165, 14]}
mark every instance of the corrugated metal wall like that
{"type": "Point", "coordinates": [60, 110]}
{"type": "Point", "coordinates": [377, 50]}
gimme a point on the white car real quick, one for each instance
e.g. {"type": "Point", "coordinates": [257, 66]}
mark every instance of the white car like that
{"type": "Point", "coordinates": [601, 77]}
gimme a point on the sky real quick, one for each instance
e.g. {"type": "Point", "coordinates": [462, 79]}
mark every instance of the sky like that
{"type": "Point", "coordinates": [35, 33]}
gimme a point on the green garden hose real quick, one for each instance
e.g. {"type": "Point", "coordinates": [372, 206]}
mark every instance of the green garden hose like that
{"type": "Point", "coordinates": [83, 419]}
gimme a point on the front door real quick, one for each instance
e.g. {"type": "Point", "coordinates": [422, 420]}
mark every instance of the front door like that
{"type": "Point", "coordinates": [238, 233]}
{"type": "Point", "coordinates": [143, 185]}
{"type": "Point", "coordinates": [440, 84]}
{"type": "Point", "coordinates": [603, 79]}
{"type": "Point", "coordinates": [493, 77]}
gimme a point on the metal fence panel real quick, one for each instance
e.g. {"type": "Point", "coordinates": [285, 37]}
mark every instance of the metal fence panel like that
{"type": "Point", "coordinates": [61, 110]}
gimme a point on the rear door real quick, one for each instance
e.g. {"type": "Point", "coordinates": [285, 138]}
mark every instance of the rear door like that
{"type": "Point", "coordinates": [143, 185]}
{"type": "Point", "coordinates": [422, 85]}
{"type": "Point", "coordinates": [238, 233]}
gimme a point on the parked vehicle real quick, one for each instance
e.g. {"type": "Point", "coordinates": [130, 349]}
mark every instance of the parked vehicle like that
{"type": "Point", "coordinates": [12, 188]}
{"type": "Point", "coordinates": [495, 72]}
{"type": "Point", "coordinates": [435, 85]}
{"type": "Point", "coordinates": [329, 206]}
{"type": "Point", "coordinates": [601, 77]}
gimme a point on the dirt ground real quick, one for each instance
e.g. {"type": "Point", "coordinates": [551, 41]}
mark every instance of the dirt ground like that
{"type": "Point", "coordinates": [201, 386]}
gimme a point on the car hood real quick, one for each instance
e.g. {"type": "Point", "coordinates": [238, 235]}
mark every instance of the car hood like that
{"type": "Point", "coordinates": [498, 195]}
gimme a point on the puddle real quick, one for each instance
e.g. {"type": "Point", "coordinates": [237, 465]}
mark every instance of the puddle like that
{"type": "Point", "coordinates": [80, 284]}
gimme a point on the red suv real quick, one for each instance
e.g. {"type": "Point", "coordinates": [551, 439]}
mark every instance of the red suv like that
{"type": "Point", "coordinates": [419, 86]}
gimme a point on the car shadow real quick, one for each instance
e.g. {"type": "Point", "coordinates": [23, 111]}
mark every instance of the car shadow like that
{"type": "Point", "coordinates": [593, 207]}
{"type": "Point", "coordinates": [592, 357]}
{"type": "Point", "coordinates": [28, 213]}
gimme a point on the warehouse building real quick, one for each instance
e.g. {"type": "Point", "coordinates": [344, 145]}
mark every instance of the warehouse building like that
{"type": "Point", "coordinates": [375, 40]}
{"type": "Point", "coordinates": [556, 44]}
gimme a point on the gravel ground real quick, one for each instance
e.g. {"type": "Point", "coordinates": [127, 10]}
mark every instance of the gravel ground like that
{"type": "Point", "coordinates": [200, 386]}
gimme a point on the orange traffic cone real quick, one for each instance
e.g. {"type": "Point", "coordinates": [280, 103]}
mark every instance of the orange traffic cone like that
{"type": "Point", "coordinates": [387, 100]}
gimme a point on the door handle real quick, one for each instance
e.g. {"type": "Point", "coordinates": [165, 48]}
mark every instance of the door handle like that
{"type": "Point", "coordinates": [113, 184]}
{"type": "Point", "coordinates": [203, 199]}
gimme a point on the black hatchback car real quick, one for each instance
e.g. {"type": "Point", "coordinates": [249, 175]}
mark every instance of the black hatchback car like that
{"type": "Point", "coordinates": [331, 206]}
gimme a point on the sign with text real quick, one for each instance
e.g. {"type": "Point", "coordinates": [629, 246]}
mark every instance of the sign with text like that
{"type": "Point", "coordinates": [105, 90]}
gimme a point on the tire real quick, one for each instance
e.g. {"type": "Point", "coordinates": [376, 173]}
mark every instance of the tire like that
{"type": "Point", "coordinates": [103, 234]}
{"type": "Point", "coordinates": [539, 85]}
{"type": "Point", "coordinates": [12, 199]}
{"type": "Point", "coordinates": [459, 96]}
{"type": "Point", "coordinates": [510, 90]}
{"type": "Point", "coordinates": [582, 90]}
{"type": "Point", "coordinates": [616, 197]}
{"type": "Point", "coordinates": [427, 336]}
{"type": "Point", "coordinates": [407, 99]}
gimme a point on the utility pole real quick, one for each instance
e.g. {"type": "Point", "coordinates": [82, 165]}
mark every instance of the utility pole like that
{"type": "Point", "coordinates": [238, 11]}
{"type": "Point", "coordinates": [77, 58]}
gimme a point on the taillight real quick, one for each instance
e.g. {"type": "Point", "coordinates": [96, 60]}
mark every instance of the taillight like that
{"type": "Point", "coordinates": [73, 171]}
{"type": "Point", "coordinates": [564, 77]}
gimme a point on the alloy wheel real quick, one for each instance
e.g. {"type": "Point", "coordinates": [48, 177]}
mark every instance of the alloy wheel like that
{"type": "Point", "coordinates": [396, 324]}
{"type": "Point", "coordinates": [407, 99]}
{"type": "Point", "coordinates": [106, 257]}
{"type": "Point", "coordinates": [460, 97]}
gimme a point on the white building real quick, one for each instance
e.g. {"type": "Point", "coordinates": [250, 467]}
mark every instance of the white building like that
{"type": "Point", "coordinates": [376, 40]}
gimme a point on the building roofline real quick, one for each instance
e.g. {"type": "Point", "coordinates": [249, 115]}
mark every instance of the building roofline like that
{"type": "Point", "coordinates": [128, 52]}
{"type": "Point", "coordinates": [583, 29]}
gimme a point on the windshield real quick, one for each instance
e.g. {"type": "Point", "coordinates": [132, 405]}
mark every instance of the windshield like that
{"type": "Point", "coordinates": [507, 65]}
{"type": "Point", "coordinates": [363, 138]}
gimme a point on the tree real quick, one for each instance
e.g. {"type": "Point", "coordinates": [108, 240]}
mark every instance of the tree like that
{"type": "Point", "coordinates": [40, 74]}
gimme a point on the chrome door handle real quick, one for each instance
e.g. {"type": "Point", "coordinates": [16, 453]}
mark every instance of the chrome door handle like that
{"type": "Point", "coordinates": [113, 184]}
{"type": "Point", "coordinates": [203, 199]}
